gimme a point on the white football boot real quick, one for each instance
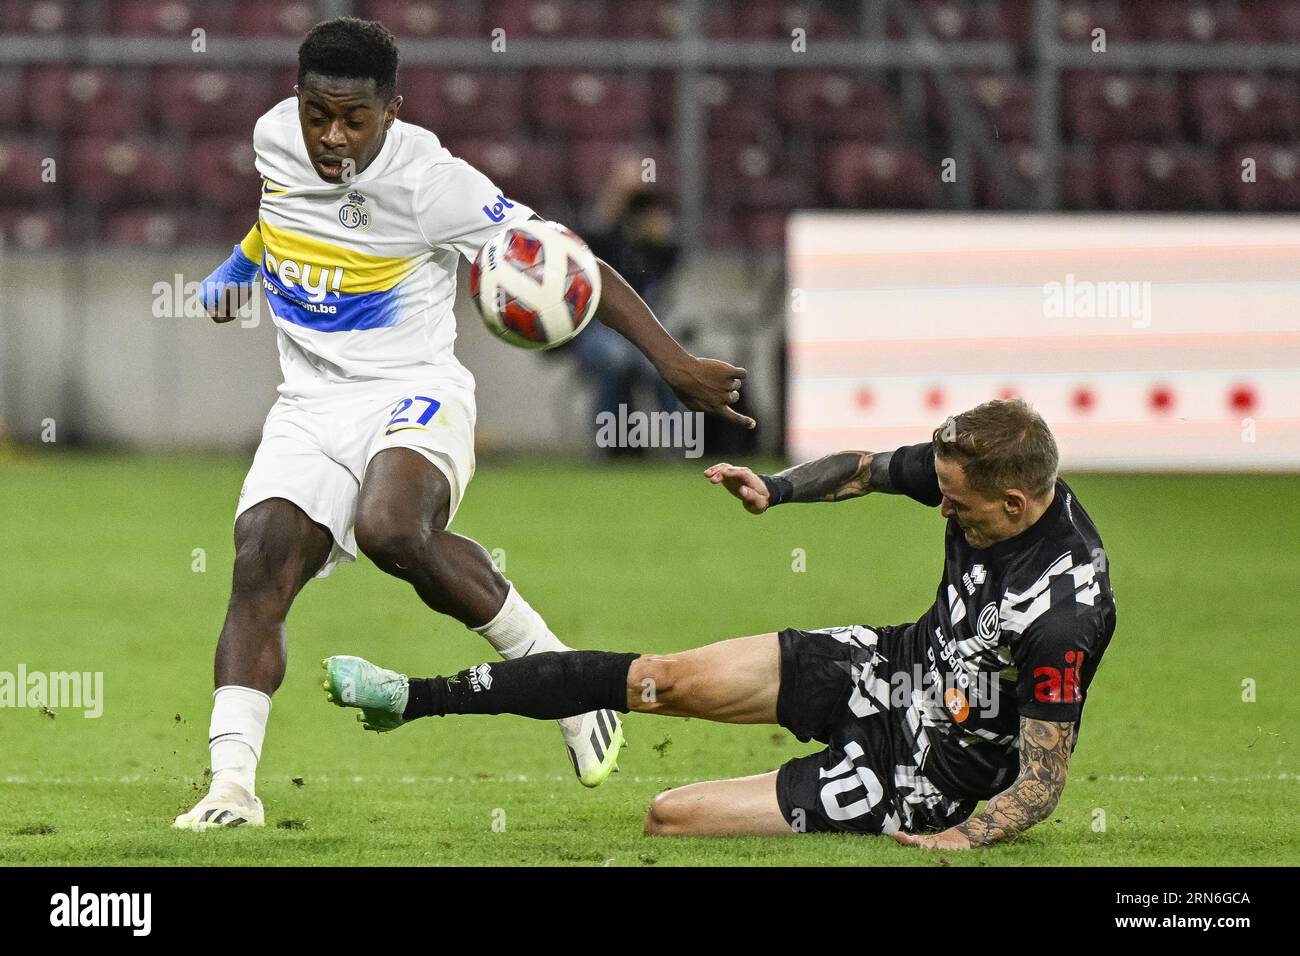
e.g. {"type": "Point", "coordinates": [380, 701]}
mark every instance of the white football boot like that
{"type": "Point", "coordinates": [593, 741]}
{"type": "Point", "coordinates": [226, 805]}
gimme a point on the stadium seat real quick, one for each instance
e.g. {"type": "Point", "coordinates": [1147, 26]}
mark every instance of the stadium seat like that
{"type": "Point", "coordinates": [1222, 107]}
{"type": "Point", "coordinates": [588, 103]}
{"type": "Point", "coordinates": [41, 17]}
{"type": "Point", "coordinates": [777, 19]}
{"type": "Point", "coordinates": [951, 20]}
{"type": "Point", "coordinates": [108, 170]}
{"type": "Point", "coordinates": [552, 19]}
{"type": "Point", "coordinates": [160, 228]}
{"type": "Point", "coordinates": [748, 175]}
{"type": "Point", "coordinates": [1199, 21]}
{"type": "Point", "coordinates": [426, 19]}
{"type": "Point", "coordinates": [458, 103]}
{"type": "Point", "coordinates": [526, 170]}
{"type": "Point", "coordinates": [835, 103]}
{"type": "Point", "coordinates": [1005, 104]}
{"type": "Point", "coordinates": [1276, 183]}
{"type": "Point", "coordinates": [87, 99]}
{"type": "Point", "coordinates": [220, 170]}
{"type": "Point", "coordinates": [32, 229]}
{"type": "Point", "coordinates": [1076, 178]}
{"type": "Point", "coordinates": [1077, 19]}
{"type": "Point", "coordinates": [212, 101]}
{"type": "Point", "coordinates": [172, 18]}
{"type": "Point", "coordinates": [11, 98]}
{"type": "Point", "coordinates": [867, 175]}
{"type": "Point", "coordinates": [645, 20]}
{"type": "Point", "coordinates": [588, 163]}
{"type": "Point", "coordinates": [1140, 176]}
{"type": "Point", "coordinates": [22, 163]}
{"type": "Point", "coordinates": [283, 18]}
{"type": "Point", "coordinates": [738, 106]}
{"type": "Point", "coordinates": [1120, 106]}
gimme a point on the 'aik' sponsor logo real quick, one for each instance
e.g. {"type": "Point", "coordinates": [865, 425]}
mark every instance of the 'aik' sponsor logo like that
{"type": "Point", "coordinates": [1060, 685]}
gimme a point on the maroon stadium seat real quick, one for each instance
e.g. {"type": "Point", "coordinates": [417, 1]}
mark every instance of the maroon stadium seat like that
{"type": "Point", "coordinates": [1277, 177]}
{"type": "Point", "coordinates": [426, 19]}
{"type": "Point", "coordinates": [33, 228]}
{"type": "Point", "coordinates": [1199, 21]}
{"type": "Point", "coordinates": [456, 103]}
{"type": "Point", "coordinates": [284, 18]}
{"type": "Point", "coordinates": [552, 19]}
{"type": "Point", "coordinates": [950, 20]}
{"type": "Point", "coordinates": [1120, 106]}
{"type": "Point", "coordinates": [85, 99]}
{"type": "Point", "coordinates": [211, 101]}
{"type": "Point", "coordinates": [589, 162]}
{"type": "Point", "coordinates": [753, 176]}
{"type": "Point", "coordinates": [42, 17]}
{"type": "Point", "coordinates": [1005, 104]}
{"type": "Point", "coordinates": [107, 170]}
{"type": "Point", "coordinates": [22, 164]}
{"type": "Point", "coordinates": [1223, 107]}
{"type": "Point", "coordinates": [834, 102]}
{"type": "Point", "coordinates": [588, 103]}
{"type": "Point", "coordinates": [738, 106]}
{"type": "Point", "coordinates": [1140, 176]}
{"type": "Point", "coordinates": [528, 171]}
{"type": "Point", "coordinates": [1076, 19]}
{"type": "Point", "coordinates": [777, 19]}
{"type": "Point", "coordinates": [173, 18]}
{"type": "Point", "coordinates": [11, 98]}
{"type": "Point", "coordinates": [872, 175]}
{"type": "Point", "coordinates": [160, 228]}
{"type": "Point", "coordinates": [220, 171]}
{"type": "Point", "coordinates": [1076, 178]}
{"type": "Point", "coordinates": [645, 20]}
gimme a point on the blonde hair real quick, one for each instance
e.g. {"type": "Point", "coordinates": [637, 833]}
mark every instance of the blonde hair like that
{"type": "Point", "coordinates": [1001, 444]}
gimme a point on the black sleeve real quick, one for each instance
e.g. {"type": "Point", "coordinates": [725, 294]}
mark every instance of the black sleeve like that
{"type": "Point", "coordinates": [1053, 657]}
{"type": "Point", "coordinates": [911, 472]}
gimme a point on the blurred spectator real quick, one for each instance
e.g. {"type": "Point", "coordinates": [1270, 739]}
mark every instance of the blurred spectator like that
{"type": "Point", "coordinates": [632, 229]}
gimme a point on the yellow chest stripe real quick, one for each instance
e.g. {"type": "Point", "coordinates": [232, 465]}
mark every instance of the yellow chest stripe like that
{"type": "Point", "coordinates": [360, 272]}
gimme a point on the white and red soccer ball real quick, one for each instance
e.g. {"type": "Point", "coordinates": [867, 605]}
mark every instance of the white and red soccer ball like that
{"type": "Point", "coordinates": [536, 284]}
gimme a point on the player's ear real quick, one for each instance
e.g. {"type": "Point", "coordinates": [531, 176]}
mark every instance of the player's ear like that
{"type": "Point", "coordinates": [1014, 502]}
{"type": "Point", "coordinates": [390, 112]}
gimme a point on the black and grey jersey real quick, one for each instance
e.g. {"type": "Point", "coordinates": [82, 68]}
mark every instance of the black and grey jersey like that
{"type": "Point", "coordinates": [1017, 630]}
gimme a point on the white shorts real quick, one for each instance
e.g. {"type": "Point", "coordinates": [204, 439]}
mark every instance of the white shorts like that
{"type": "Point", "coordinates": [314, 451]}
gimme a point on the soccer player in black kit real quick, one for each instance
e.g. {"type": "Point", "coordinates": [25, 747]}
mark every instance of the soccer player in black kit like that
{"type": "Point", "coordinates": [979, 699]}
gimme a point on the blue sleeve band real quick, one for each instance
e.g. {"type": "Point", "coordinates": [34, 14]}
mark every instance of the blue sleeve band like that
{"type": "Point", "coordinates": [237, 270]}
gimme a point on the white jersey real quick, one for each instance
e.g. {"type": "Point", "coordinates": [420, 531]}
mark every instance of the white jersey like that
{"type": "Point", "coordinates": [361, 276]}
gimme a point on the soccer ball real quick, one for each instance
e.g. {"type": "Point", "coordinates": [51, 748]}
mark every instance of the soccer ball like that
{"type": "Point", "coordinates": [536, 284]}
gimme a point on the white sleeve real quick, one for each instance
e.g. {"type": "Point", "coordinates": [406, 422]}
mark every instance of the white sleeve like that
{"type": "Point", "coordinates": [458, 207]}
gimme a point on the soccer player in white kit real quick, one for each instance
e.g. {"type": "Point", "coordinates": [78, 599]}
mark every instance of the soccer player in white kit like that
{"type": "Point", "coordinates": [370, 445]}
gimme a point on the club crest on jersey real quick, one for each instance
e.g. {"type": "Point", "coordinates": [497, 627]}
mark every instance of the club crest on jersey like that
{"type": "Point", "coordinates": [353, 214]}
{"type": "Point", "coordinates": [497, 211]}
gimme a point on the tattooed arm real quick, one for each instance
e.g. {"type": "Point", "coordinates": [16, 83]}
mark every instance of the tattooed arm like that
{"type": "Point", "coordinates": [1044, 757]}
{"type": "Point", "coordinates": [846, 474]}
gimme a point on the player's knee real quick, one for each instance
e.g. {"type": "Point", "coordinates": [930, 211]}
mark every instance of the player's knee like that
{"type": "Point", "coordinates": [269, 561]}
{"type": "Point", "coordinates": [669, 815]}
{"type": "Point", "coordinates": [390, 541]}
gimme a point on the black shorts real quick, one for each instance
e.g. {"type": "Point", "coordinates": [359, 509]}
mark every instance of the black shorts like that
{"type": "Point", "coordinates": [835, 688]}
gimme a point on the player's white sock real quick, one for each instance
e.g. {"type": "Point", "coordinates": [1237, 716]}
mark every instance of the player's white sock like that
{"type": "Point", "coordinates": [518, 630]}
{"type": "Point", "coordinates": [236, 732]}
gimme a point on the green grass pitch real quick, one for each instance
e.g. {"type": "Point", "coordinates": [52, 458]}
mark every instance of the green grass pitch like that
{"type": "Point", "coordinates": [97, 574]}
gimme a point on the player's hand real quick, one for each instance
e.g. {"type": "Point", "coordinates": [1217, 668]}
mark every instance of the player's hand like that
{"type": "Point", "coordinates": [742, 483]}
{"type": "Point", "coordinates": [949, 839]}
{"type": "Point", "coordinates": [230, 300]}
{"type": "Point", "coordinates": [709, 385]}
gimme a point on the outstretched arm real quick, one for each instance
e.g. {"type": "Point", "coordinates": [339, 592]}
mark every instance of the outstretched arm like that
{"type": "Point", "coordinates": [1044, 759]}
{"type": "Point", "coordinates": [703, 385]}
{"type": "Point", "coordinates": [845, 474]}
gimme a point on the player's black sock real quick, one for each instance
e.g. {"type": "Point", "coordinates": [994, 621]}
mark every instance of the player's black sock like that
{"type": "Point", "coordinates": [544, 686]}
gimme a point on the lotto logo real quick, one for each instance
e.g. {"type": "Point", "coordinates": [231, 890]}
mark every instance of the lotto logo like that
{"type": "Point", "coordinates": [1060, 686]}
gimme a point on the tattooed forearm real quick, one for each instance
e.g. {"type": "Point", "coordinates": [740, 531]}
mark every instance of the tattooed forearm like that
{"type": "Point", "coordinates": [1044, 758]}
{"type": "Point", "coordinates": [846, 474]}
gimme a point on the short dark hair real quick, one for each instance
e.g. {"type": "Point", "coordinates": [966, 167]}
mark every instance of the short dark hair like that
{"type": "Point", "coordinates": [1001, 444]}
{"type": "Point", "coordinates": [352, 48]}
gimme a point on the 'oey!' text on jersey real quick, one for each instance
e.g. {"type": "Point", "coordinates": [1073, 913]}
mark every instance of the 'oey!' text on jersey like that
{"type": "Point", "coordinates": [361, 276]}
{"type": "Point", "coordinates": [1017, 630]}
